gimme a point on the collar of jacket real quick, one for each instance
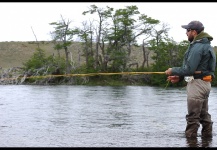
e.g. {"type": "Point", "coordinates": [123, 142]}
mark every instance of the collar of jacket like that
{"type": "Point", "coordinates": [202, 35]}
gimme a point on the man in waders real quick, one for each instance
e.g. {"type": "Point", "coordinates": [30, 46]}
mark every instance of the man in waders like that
{"type": "Point", "coordinates": [198, 69]}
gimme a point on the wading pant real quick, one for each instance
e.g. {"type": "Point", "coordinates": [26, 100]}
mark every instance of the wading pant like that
{"type": "Point", "coordinates": [197, 104]}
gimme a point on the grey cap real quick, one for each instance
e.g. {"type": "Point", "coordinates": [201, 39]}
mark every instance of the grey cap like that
{"type": "Point", "coordinates": [195, 25]}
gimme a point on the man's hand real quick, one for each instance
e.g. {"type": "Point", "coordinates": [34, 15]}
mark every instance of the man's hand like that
{"type": "Point", "coordinates": [173, 79]}
{"type": "Point", "coordinates": [168, 71]}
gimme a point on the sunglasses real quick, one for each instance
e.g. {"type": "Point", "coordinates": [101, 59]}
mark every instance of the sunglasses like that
{"type": "Point", "coordinates": [188, 30]}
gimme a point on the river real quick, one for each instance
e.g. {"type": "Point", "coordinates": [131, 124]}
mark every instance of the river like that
{"type": "Point", "coordinates": [97, 116]}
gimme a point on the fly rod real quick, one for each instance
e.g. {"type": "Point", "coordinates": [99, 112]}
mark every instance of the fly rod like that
{"type": "Point", "coordinates": [89, 74]}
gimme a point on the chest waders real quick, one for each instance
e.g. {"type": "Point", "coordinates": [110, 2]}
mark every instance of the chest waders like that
{"type": "Point", "coordinates": [197, 104]}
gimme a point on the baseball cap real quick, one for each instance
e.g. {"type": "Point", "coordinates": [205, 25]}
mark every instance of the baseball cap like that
{"type": "Point", "coordinates": [195, 25]}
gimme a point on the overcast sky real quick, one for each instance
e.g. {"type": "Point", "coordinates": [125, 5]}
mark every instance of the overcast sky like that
{"type": "Point", "coordinates": [18, 19]}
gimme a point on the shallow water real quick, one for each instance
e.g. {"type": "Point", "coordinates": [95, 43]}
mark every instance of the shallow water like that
{"type": "Point", "coordinates": [97, 116]}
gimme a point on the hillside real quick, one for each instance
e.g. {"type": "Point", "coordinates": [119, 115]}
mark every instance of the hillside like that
{"type": "Point", "coordinates": [13, 54]}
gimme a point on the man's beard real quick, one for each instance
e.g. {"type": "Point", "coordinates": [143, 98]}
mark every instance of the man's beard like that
{"type": "Point", "coordinates": [190, 39]}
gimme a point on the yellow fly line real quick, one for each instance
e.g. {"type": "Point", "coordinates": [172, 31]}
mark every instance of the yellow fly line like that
{"type": "Point", "coordinates": [87, 74]}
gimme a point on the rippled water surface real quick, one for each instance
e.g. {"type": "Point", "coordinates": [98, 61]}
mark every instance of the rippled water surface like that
{"type": "Point", "coordinates": [97, 116]}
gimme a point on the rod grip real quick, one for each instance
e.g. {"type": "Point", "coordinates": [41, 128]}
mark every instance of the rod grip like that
{"type": "Point", "coordinates": [197, 72]}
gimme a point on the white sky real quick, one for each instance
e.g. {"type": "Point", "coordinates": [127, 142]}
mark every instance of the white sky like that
{"type": "Point", "coordinates": [18, 18]}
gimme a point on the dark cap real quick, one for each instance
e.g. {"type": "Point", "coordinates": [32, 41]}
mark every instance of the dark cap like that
{"type": "Point", "coordinates": [195, 25]}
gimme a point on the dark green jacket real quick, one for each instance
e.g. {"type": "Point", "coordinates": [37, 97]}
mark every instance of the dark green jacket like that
{"type": "Point", "coordinates": [200, 56]}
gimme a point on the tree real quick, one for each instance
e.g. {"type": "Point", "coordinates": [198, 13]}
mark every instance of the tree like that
{"type": "Point", "coordinates": [63, 35]}
{"type": "Point", "coordinates": [86, 36]}
{"type": "Point", "coordinates": [103, 15]}
{"type": "Point", "coordinates": [128, 25]}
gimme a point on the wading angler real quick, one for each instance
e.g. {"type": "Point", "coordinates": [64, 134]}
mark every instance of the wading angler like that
{"type": "Point", "coordinates": [198, 69]}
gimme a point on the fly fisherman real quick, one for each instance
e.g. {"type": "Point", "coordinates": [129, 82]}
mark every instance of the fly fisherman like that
{"type": "Point", "coordinates": [198, 69]}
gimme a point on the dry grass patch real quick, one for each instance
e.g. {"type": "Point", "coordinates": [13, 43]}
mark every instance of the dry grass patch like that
{"type": "Point", "coordinates": [14, 54]}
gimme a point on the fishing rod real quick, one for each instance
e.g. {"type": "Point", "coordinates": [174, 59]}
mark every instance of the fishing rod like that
{"type": "Point", "coordinates": [83, 75]}
{"type": "Point", "coordinates": [89, 74]}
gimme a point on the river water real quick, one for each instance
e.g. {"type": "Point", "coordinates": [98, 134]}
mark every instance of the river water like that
{"type": "Point", "coordinates": [97, 116]}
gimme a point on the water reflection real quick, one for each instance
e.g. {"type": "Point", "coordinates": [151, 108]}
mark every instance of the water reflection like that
{"type": "Point", "coordinates": [194, 142]}
{"type": "Point", "coordinates": [96, 116]}
{"type": "Point", "coordinates": [206, 142]}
